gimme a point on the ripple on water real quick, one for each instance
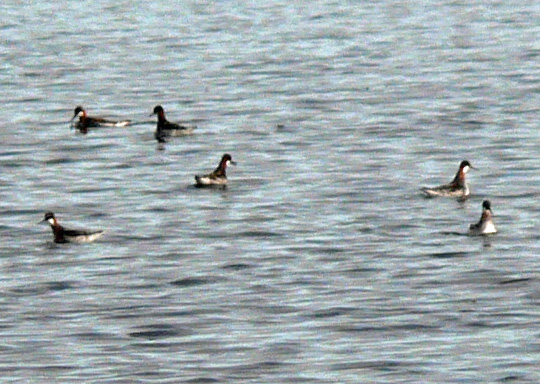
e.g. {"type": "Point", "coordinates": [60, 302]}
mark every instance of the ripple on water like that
{"type": "Point", "coordinates": [159, 331]}
{"type": "Point", "coordinates": [238, 266]}
{"type": "Point", "coordinates": [196, 281]}
{"type": "Point", "coordinates": [42, 288]}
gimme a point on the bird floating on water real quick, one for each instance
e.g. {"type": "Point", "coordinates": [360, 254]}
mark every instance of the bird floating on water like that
{"type": "Point", "coordinates": [218, 176]}
{"type": "Point", "coordinates": [86, 121]}
{"type": "Point", "coordinates": [456, 188]}
{"type": "Point", "coordinates": [63, 235]}
{"type": "Point", "coordinates": [166, 129]}
{"type": "Point", "coordinates": [485, 226]}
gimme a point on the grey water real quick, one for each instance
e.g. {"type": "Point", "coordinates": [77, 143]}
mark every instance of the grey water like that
{"type": "Point", "coordinates": [320, 262]}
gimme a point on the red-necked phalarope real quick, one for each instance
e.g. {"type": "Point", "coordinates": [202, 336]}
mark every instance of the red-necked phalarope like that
{"type": "Point", "coordinates": [218, 177]}
{"type": "Point", "coordinates": [485, 226]}
{"type": "Point", "coordinates": [62, 235]}
{"type": "Point", "coordinates": [457, 188]}
{"type": "Point", "coordinates": [86, 121]}
{"type": "Point", "coordinates": [167, 129]}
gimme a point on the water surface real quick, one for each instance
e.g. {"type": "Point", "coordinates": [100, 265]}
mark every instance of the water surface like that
{"type": "Point", "coordinates": [321, 262]}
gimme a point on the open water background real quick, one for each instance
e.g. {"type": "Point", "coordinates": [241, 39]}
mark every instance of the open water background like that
{"type": "Point", "coordinates": [321, 262]}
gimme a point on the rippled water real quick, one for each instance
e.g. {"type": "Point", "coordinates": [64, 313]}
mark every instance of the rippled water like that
{"type": "Point", "coordinates": [321, 262]}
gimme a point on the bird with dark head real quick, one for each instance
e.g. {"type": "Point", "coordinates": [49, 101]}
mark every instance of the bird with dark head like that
{"type": "Point", "coordinates": [456, 188]}
{"type": "Point", "coordinates": [63, 235]}
{"type": "Point", "coordinates": [485, 225]}
{"type": "Point", "coordinates": [166, 129]}
{"type": "Point", "coordinates": [218, 176]}
{"type": "Point", "coordinates": [86, 121]}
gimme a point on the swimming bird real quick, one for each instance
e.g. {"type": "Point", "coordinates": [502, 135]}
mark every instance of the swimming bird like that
{"type": "Point", "coordinates": [457, 188]}
{"type": "Point", "coordinates": [86, 121]}
{"type": "Point", "coordinates": [62, 235]}
{"type": "Point", "coordinates": [167, 129]}
{"type": "Point", "coordinates": [485, 226]}
{"type": "Point", "coordinates": [218, 177]}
